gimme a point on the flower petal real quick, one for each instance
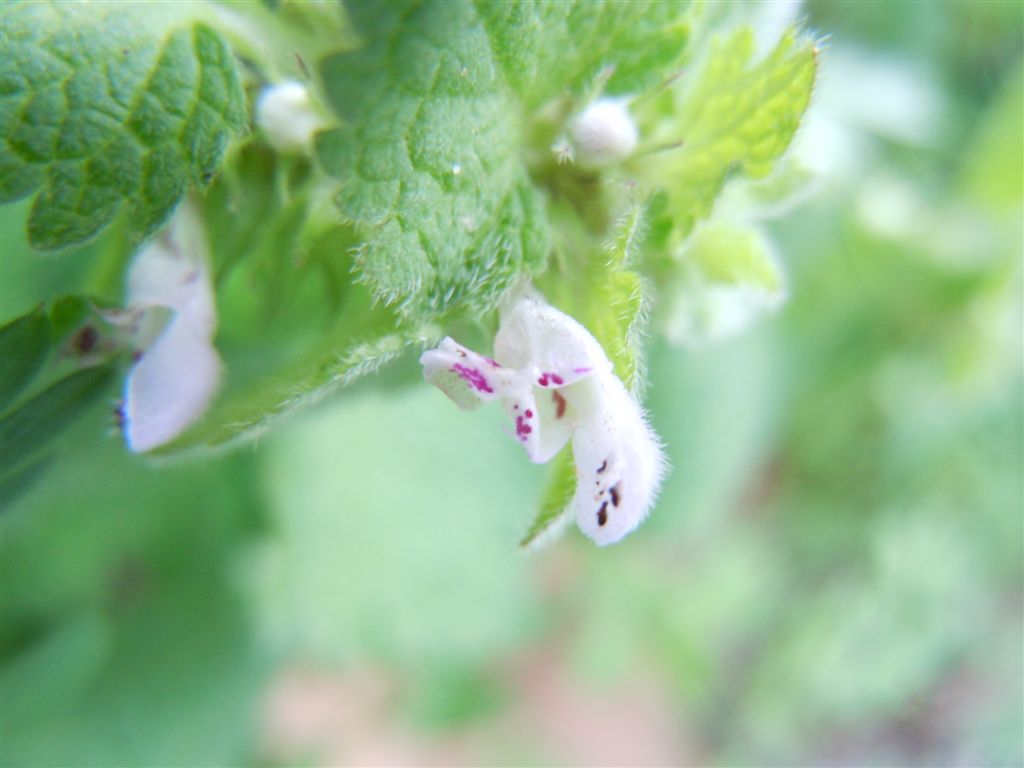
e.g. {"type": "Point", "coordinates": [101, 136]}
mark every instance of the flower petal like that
{"type": "Point", "coordinates": [170, 386]}
{"type": "Point", "coordinates": [172, 271]}
{"type": "Point", "coordinates": [551, 347]}
{"type": "Point", "coordinates": [468, 378]}
{"type": "Point", "coordinates": [541, 420]}
{"type": "Point", "coordinates": [619, 463]}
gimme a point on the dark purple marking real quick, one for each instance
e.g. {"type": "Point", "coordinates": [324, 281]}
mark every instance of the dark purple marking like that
{"type": "Point", "coordinates": [529, 413]}
{"type": "Point", "coordinates": [559, 404]}
{"type": "Point", "coordinates": [84, 341]}
{"type": "Point", "coordinates": [492, 363]}
{"type": "Point", "coordinates": [582, 370]}
{"type": "Point", "coordinates": [556, 379]}
{"type": "Point", "coordinates": [473, 377]}
{"type": "Point", "coordinates": [522, 428]}
{"type": "Point", "coordinates": [603, 467]}
{"type": "Point", "coordinates": [602, 514]}
{"type": "Point", "coordinates": [614, 491]}
{"type": "Point", "coordinates": [120, 419]}
{"type": "Point", "coordinates": [543, 380]}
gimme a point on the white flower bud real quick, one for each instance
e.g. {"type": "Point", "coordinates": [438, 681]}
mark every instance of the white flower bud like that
{"type": "Point", "coordinates": [286, 116]}
{"type": "Point", "coordinates": [602, 134]}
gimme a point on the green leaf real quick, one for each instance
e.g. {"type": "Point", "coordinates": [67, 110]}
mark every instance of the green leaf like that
{"type": "Point", "coordinates": [109, 105]}
{"type": "Point", "coordinates": [428, 157]}
{"type": "Point", "coordinates": [24, 345]}
{"type": "Point", "coordinates": [554, 511]}
{"type": "Point", "coordinates": [543, 46]}
{"type": "Point", "coordinates": [735, 116]}
{"type": "Point", "coordinates": [431, 154]}
{"type": "Point", "coordinates": [27, 429]}
{"type": "Point", "coordinates": [332, 363]}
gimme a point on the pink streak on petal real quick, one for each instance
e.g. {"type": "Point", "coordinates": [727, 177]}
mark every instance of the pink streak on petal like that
{"type": "Point", "coordinates": [473, 377]}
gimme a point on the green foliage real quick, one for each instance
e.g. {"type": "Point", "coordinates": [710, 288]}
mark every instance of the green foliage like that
{"type": "Point", "coordinates": [413, 540]}
{"type": "Point", "coordinates": [428, 159]}
{"type": "Point", "coordinates": [554, 511]}
{"type": "Point", "coordinates": [431, 154]}
{"type": "Point", "coordinates": [734, 256]}
{"type": "Point", "coordinates": [24, 344]}
{"type": "Point", "coordinates": [546, 46]}
{"type": "Point", "coordinates": [28, 428]}
{"type": "Point", "coordinates": [832, 572]}
{"type": "Point", "coordinates": [734, 116]}
{"type": "Point", "coordinates": [108, 106]}
{"type": "Point", "coordinates": [123, 639]}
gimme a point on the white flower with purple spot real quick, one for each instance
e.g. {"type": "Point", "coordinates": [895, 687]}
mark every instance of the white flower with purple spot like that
{"type": "Point", "coordinates": [556, 384]}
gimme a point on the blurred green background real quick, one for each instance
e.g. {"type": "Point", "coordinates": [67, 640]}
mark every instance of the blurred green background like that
{"type": "Point", "coordinates": [833, 574]}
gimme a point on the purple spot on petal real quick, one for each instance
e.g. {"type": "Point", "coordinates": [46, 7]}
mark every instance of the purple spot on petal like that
{"type": "Point", "coordinates": [492, 363]}
{"type": "Point", "coordinates": [581, 370]}
{"type": "Point", "coordinates": [522, 428]}
{"type": "Point", "coordinates": [473, 377]}
{"type": "Point", "coordinates": [529, 413]}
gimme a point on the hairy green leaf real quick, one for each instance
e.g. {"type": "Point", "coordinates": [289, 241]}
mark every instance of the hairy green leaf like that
{"type": "Point", "coordinates": [735, 116]}
{"type": "Point", "coordinates": [545, 48]}
{"type": "Point", "coordinates": [436, 107]}
{"type": "Point", "coordinates": [109, 105]}
{"type": "Point", "coordinates": [329, 364]}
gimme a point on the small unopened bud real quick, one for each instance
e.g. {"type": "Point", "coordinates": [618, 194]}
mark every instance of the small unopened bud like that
{"type": "Point", "coordinates": [603, 133]}
{"type": "Point", "coordinates": [286, 116]}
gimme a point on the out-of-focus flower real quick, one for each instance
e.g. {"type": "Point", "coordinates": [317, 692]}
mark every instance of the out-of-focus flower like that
{"type": "Point", "coordinates": [557, 384]}
{"type": "Point", "coordinates": [726, 278]}
{"type": "Point", "coordinates": [174, 318]}
{"type": "Point", "coordinates": [286, 116]}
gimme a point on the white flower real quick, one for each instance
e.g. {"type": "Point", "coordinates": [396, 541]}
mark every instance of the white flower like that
{"type": "Point", "coordinates": [557, 384]}
{"type": "Point", "coordinates": [177, 368]}
{"type": "Point", "coordinates": [725, 279]}
{"type": "Point", "coordinates": [602, 134]}
{"type": "Point", "coordinates": [286, 116]}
